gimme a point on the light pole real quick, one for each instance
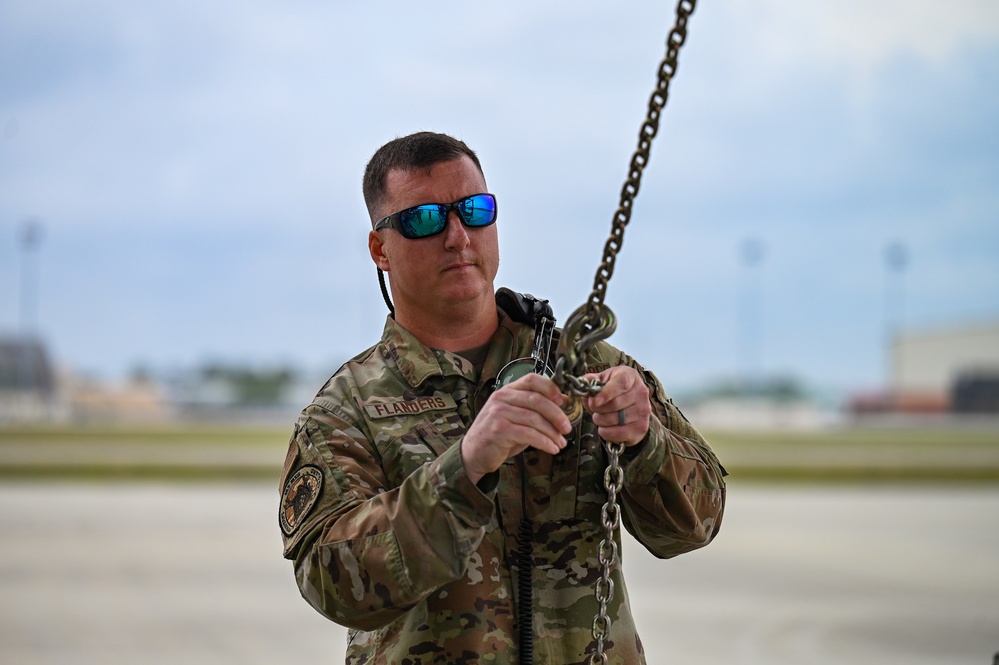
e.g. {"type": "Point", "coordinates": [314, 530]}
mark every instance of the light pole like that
{"type": "Point", "coordinates": [31, 238]}
{"type": "Point", "coordinates": [751, 255]}
{"type": "Point", "coordinates": [896, 261]}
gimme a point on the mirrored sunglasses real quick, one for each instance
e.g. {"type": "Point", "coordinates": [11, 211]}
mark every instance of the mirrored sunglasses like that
{"type": "Point", "coordinates": [429, 219]}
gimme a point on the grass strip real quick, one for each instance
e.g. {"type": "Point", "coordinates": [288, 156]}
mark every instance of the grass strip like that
{"type": "Point", "coordinates": [140, 472]}
{"type": "Point", "coordinates": [835, 455]}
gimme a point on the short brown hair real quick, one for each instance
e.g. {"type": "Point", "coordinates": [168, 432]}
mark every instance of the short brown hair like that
{"type": "Point", "coordinates": [416, 151]}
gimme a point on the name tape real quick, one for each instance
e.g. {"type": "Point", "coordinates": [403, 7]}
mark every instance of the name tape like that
{"type": "Point", "coordinates": [411, 407]}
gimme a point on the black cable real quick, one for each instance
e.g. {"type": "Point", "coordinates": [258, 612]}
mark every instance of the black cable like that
{"type": "Point", "coordinates": [525, 580]}
{"type": "Point", "coordinates": [385, 295]}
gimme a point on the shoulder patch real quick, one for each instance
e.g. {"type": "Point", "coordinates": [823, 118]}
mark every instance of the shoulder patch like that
{"type": "Point", "coordinates": [301, 492]}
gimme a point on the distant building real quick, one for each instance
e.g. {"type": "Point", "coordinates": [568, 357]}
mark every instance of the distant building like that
{"type": "Point", "coordinates": [934, 361]}
{"type": "Point", "coordinates": [25, 366]}
{"type": "Point", "coordinates": [131, 400]}
{"type": "Point", "coordinates": [946, 369]}
{"type": "Point", "coordinates": [33, 391]}
{"type": "Point", "coordinates": [767, 404]}
{"type": "Point", "coordinates": [236, 393]}
{"type": "Point", "coordinates": [27, 381]}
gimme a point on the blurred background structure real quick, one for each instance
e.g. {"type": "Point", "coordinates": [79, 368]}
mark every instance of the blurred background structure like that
{"type": "Point", "coordinates": [947, 370]}
{"type": "Point", "coordinates": [943, 372]}
{"type": "Point", "coordinates": [179, 189]}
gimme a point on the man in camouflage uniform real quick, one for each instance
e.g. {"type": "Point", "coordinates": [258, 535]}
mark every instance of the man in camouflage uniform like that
{"type": "Point", "coordinates": [408, 475]}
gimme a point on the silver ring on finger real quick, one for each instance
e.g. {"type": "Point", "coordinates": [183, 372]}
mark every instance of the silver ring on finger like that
{"type": "Point", "coordinates": [620, 417]}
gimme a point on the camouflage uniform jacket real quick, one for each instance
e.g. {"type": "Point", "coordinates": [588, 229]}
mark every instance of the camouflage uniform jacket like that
{"type": "Point", "coordinates": [391, 539]}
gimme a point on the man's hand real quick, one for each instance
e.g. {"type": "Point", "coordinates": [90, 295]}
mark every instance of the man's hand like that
{"type": "Point", "coordinates": [524, 414]}
{"type": "Point", "coordinates": [621, 409]}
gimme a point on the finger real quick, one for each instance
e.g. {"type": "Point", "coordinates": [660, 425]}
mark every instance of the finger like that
{"type": "Point", "coordinates": [615, 382]}
{"type": "Point", "coordinates": [628, 434]}
{"type": "Point", "coordinates": [538, 422]}
{"type": "Point", "coordinates": [624, 392]}
{"type": "Point", "coordinates": [494, 438]}
{"type": "Point", "coordinates": [633, 399]}
{"type": "Point", "coordinates": [539, 384]}
{"type": "Point", "coordinates": [526, 436]}
{"type": "Point", "coordinates": [616, 418]}
{"type": "Point", "coordinates": [544, 402]}
{"type": "Point", "coordinates": [525, 408]}
{"type": "Point", "coordinates": [625, 425]}
{"type": "Point", "coordinates": [547, 445]}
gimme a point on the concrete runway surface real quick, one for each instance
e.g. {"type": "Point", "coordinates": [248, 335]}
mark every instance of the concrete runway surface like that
{"type": "Point", "coordinates": [192, 573]}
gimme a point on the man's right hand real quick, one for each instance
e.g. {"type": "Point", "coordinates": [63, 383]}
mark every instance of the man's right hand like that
{"type": "Point", "coordinates": [523, 414]}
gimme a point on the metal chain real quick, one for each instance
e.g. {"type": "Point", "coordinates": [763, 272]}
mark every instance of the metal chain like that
{"type": "Point", "coordinates": [610, 519]}
{"type": "Point", "coordinates": [657, 101]}
{"type": "Point", "coordinates": [594, 321]}
{"type": "Point", "coordinates": [594, 314]}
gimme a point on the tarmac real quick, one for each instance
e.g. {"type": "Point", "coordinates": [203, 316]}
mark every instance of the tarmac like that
{"type": "Point", "coordinates": [192, 573]}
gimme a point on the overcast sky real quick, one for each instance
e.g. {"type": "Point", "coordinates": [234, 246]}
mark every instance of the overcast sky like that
{"type": "Point", "coordinates": [195, 169]}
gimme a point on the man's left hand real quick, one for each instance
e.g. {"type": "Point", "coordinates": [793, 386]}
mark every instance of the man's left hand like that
{"type": "Point", "coordinates": [621, 409]}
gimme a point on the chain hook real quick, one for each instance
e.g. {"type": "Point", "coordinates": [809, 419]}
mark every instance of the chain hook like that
{"type": "Point", "coordinates": [589, 324]}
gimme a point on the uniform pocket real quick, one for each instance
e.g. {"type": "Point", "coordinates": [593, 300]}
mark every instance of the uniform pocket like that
{"type": "Point", "coordinates": [403, 454]}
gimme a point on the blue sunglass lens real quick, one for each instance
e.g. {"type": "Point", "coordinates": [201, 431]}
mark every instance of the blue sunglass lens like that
{"type": "Point", "coordinates": [423, 221]}
{"type": "Point", "coordinates": [478, 210]}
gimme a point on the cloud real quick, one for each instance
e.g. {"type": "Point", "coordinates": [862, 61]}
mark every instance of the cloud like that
{"type": "Point", "coordinates": [198, 168]}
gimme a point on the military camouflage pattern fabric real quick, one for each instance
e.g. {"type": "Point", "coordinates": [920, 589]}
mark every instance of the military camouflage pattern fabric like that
{"type": "Point", "coordinates": [390, 538]}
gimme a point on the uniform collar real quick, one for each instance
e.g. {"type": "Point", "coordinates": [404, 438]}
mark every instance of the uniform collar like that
{"type": "Point", "coordinates": [418, 362]}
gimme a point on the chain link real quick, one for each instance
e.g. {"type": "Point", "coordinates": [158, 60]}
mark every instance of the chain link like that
{"type": "Point", "coordinates": [594, 321]}
{"type": "Point", "coordinates": [594, 312]}
{"type": "Point", "coordinates": [610, 519]}
{"type": "Point", "coordinates": [648, 131]}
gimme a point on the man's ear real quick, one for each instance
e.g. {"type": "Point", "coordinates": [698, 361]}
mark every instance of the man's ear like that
{"type": "Point", "coordinates": [376, 247]}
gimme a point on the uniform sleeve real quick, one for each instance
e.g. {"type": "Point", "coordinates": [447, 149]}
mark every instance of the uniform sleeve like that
{"type": "Point", "coordinates": [674, 488]}
{"type": "Point", "coordinates": [365, 553]}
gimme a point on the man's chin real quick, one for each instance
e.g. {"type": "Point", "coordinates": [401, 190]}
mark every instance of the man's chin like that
{"type": "Point", "coordinates": [465, 292]}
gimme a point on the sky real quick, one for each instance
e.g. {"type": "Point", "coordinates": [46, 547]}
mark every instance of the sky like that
{"type": "Point", "coordinates": [193, 170]}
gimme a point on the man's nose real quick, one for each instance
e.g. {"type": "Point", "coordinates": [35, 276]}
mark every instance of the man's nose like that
{"type": "Point", "coordinates": [456, 235]}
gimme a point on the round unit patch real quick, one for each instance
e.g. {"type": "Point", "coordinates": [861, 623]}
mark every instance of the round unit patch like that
{"type": "Point", "coordinates": [300, 495]}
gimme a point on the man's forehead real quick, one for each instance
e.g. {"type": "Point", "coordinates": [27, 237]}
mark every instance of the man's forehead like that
{"type": "Point", "coordinates": [462, 165]}
{"type": "Point", "coordinates": [453, 178]}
